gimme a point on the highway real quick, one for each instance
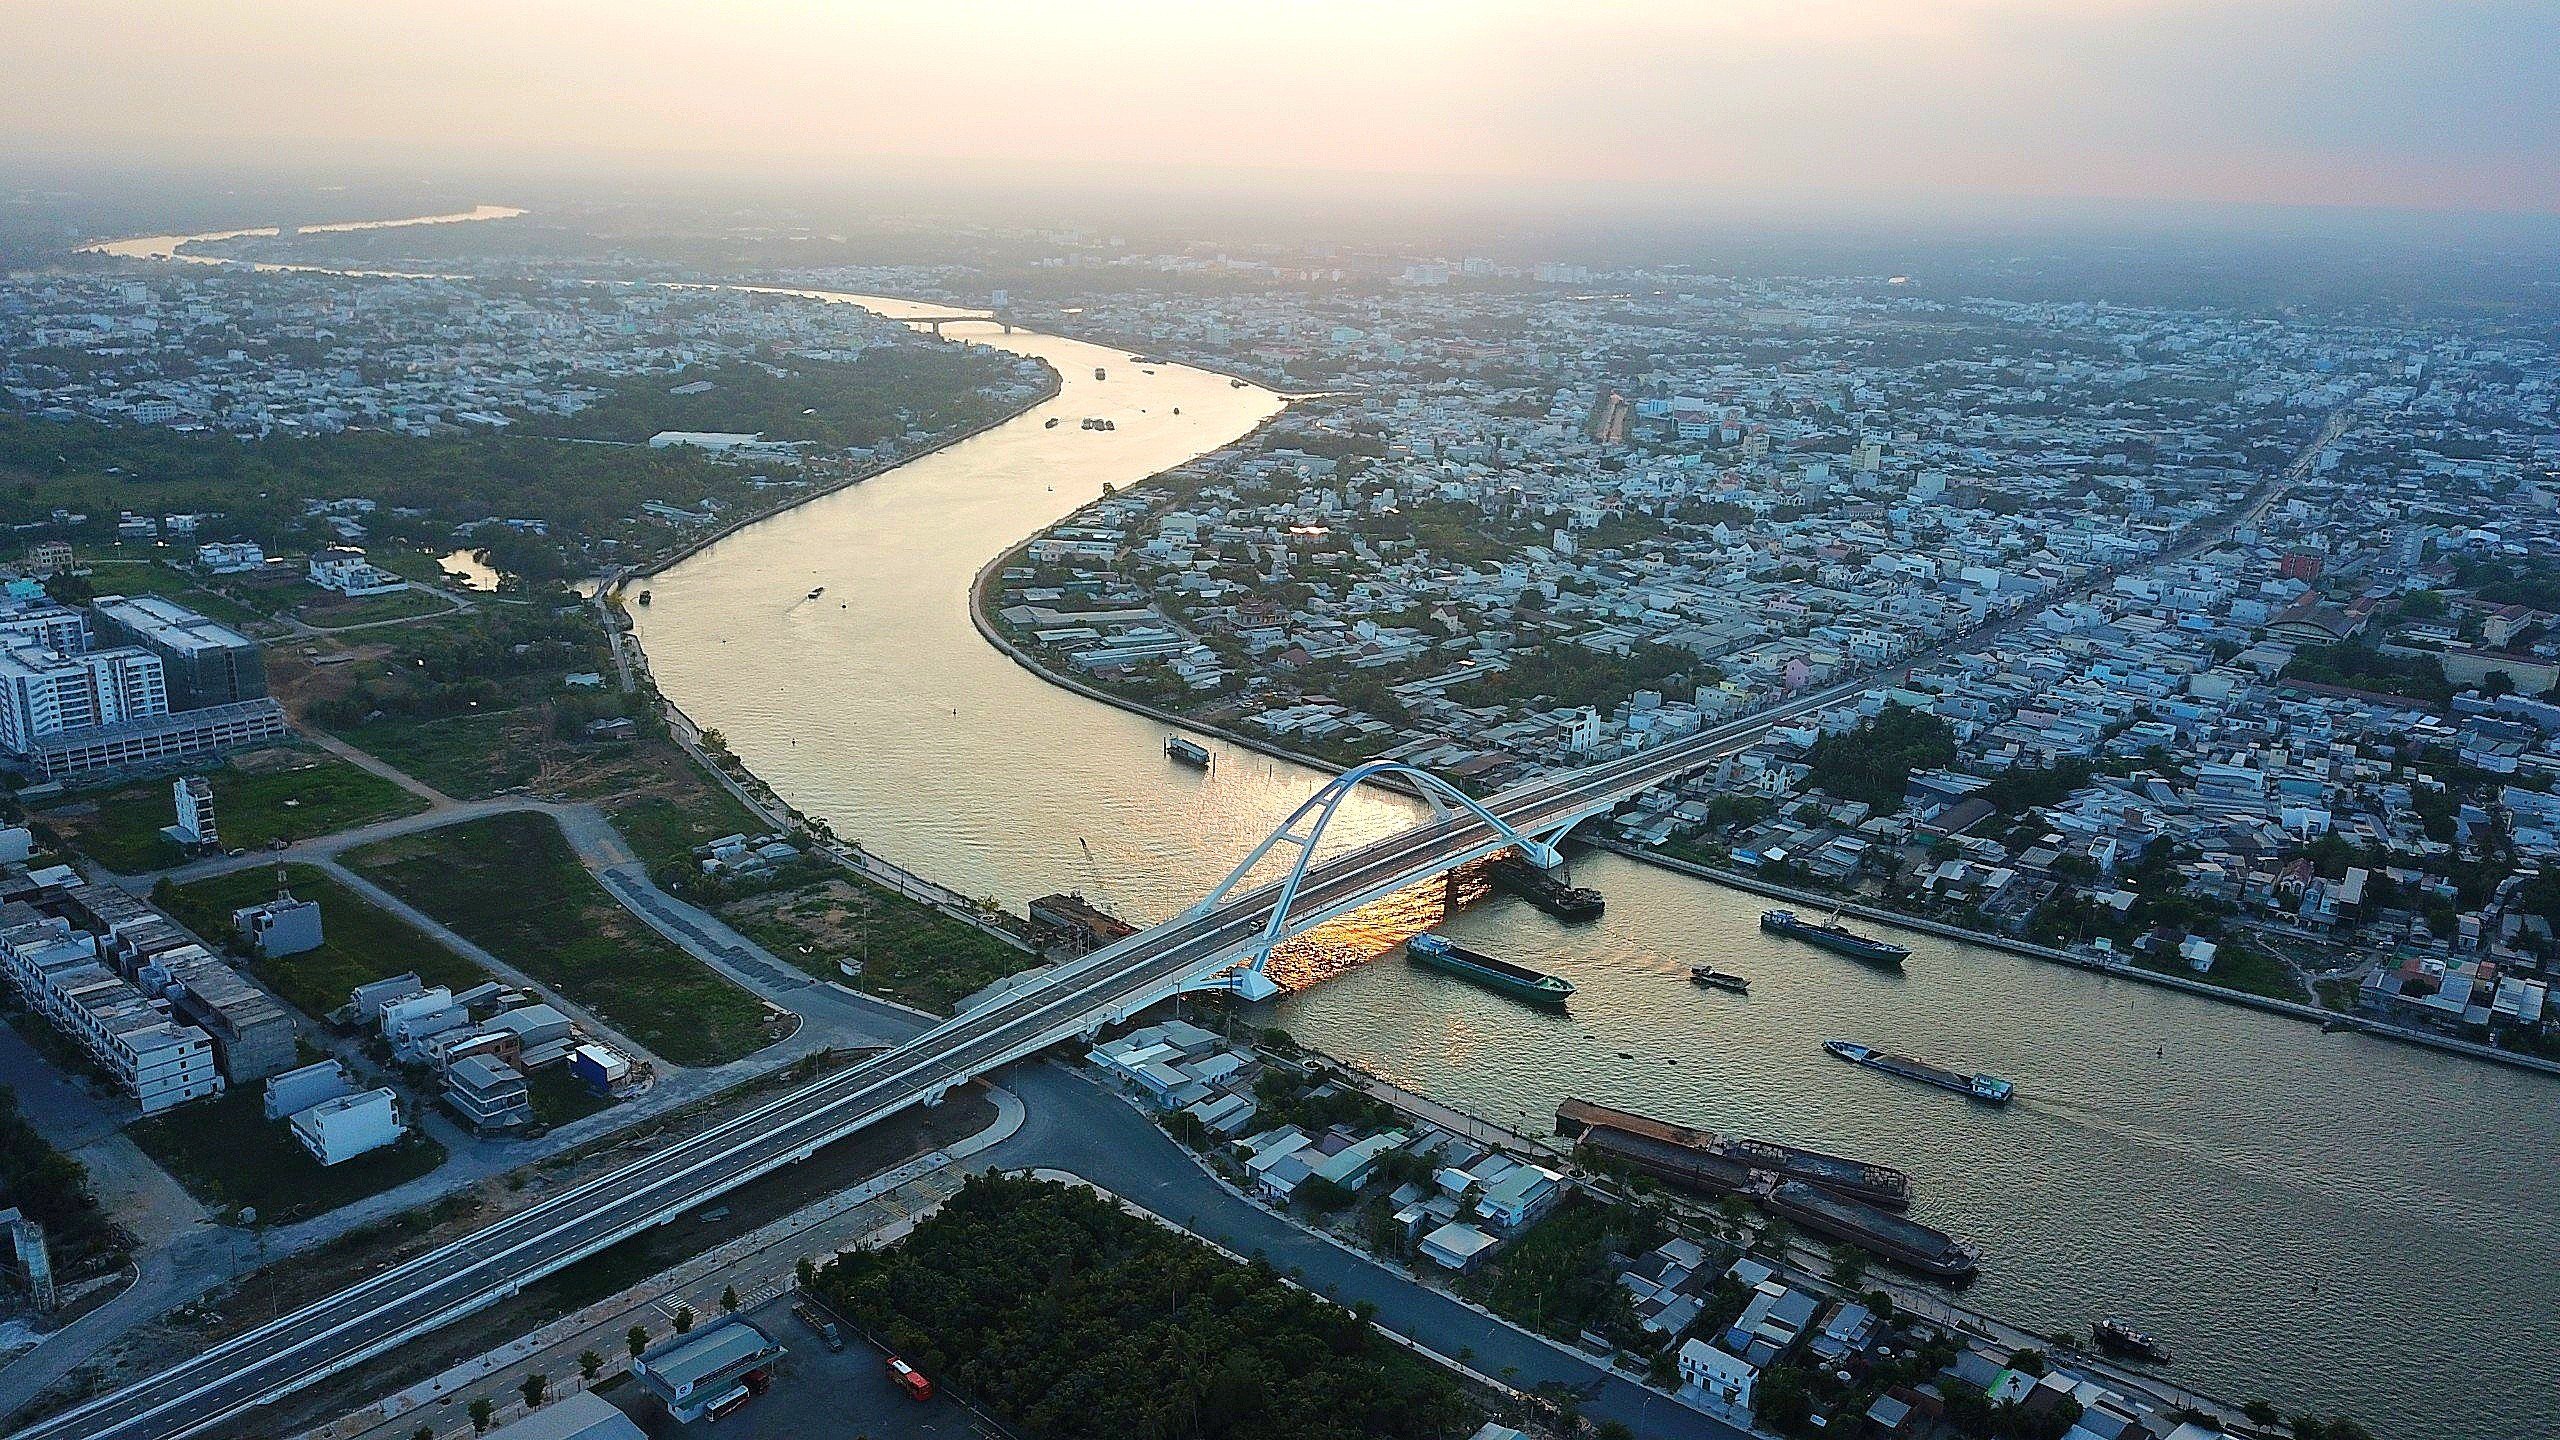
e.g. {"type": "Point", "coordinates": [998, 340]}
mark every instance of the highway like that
{"type": "Point", "coordinates": [414, 1297]}
{"type": "Point", "coordinates": [431, 1289]}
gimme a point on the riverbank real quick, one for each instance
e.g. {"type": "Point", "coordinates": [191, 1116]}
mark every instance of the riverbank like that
{"type": "Point", "coordinates": [988, 627]}
{"type": "Point", "coordinates": [1989, 939]}
{"type": "Point", "coordinates": [903, 723]}
{"type": "Point", "coordinates": [700, 543]}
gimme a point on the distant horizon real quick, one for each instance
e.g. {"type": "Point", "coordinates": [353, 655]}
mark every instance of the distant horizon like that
{"type": "Point", "coordinates": [1368, 199]}
{"type": "Point", "coordinates": [2322, 106]}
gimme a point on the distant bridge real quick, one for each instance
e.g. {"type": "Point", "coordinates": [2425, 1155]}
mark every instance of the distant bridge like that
{"type": "Point", "coordinates": [936, 322]}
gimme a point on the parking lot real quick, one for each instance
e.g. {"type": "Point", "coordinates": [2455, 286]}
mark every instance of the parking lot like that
{"type": "Point", "coordinates": [818, 1395]}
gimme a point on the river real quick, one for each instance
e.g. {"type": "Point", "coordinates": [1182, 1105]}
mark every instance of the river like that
{"type": "Point", "coordinates": [2333, 1221]}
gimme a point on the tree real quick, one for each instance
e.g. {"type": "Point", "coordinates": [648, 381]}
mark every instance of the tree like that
{"type": "Point", "coordinates": [590, 1364]}
{"type": "Point", "coordinates": [423, 1432]}
{"type": "Point", "coordinates": [1780, 1399]}
{"type": "Point", "coordinates": [636, 1340]}
{"type": "Point", "coordinates": [532, 1388]}
{"type": "Point", "coordinates": [483, 1411]}
{"type": "Point", "coordinates": [728, 1299]}
{"type": "Point", "coordinates": [684, 1319]}
{"type": "Point", "coordinates": [805, 1271]}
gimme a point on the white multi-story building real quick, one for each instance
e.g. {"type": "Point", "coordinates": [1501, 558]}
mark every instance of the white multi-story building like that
{"type": "Point", "coordinates": [44, 693]}
{"type": "Point", "coordinates": [55, 627]}
{"type": "Point", "coordinates": [56, 969]}
{"type": "Point", "coordinates": [345, 1126]}
{"type": "Point", "coordinates": [194, 797]}
{"type": "Point", "coordinates": [230, 557]}
{"type": "Point", "coordinates": [347, 572]}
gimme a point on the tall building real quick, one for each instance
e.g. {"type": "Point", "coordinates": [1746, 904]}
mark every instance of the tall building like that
{"type": "Point", "coordinates": [194, 797]}
{"type": "Point", "coordinates": [208, 662]}
{"type": "Point", "coordinates": [45, 693]}
{"type": "Point", "coordinates": [55, 627]}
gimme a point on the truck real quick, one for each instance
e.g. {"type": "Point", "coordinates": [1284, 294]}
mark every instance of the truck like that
{"type": "Point", "coordinates": [829, 1333]}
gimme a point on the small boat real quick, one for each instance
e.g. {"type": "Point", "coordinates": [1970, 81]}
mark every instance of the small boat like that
{"type": "Point", "coordinates": [1097, 372]}
{"type": "Point", "coordinates": [1715, 979]}
{"type": "Point", "coordinates": [814, 594]}
{"type": "Point", "coordinates": [1177, 409]}
{"type": "Point", "coordinates": [644, 597]}
{"type": "Point", "coordinates": [2117, 1337]}
{"type": "Point", "coordinates": [1186, 751]}
{"type": "Point", "coordinates": [1235, 384]}
{"type": "Point", "coordinates": [1052, 425]}
{"type": "Point", "coordinates": [1518, 981]}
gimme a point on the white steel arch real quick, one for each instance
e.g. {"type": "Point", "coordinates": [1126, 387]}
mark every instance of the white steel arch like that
{"type": "Point", "coordinates": [1314, 815]}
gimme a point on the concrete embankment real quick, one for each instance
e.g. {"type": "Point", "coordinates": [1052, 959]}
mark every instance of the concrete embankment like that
{"type": "Point", "coordinates": [994, 634]}
{"type": "Point", "coordinates": [1741, 880]}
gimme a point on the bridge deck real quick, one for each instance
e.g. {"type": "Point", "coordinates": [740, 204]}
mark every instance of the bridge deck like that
{"type": "Point", "coordinates": [1119, 980]}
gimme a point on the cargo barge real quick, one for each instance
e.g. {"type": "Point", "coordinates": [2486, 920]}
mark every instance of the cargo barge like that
{"type": "Point", "coordinates": [1723, 1164]}
{"type": "Point", "coordinates": [1186, 751]}
{"type": "Point", "coordinates": [1518, 981]}
{"type": "Point", "coordinates": [1715, 979]}
{"type": "Point", "coordinates": [1898, 1238]}
{"type": "Point", "coordinates": [1544, 889]}
{"type": "Point", "coordinates": [1831, 935]}
{"type": "Point", "coordinates": [1989, 1089]}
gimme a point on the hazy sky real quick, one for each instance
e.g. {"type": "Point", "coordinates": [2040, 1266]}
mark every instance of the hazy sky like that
{"type": "Point", "coordinates": [2437, 104]}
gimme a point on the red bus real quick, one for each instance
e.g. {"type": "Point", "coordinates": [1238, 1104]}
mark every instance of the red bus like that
{"type": "Point", "coordinates": [909, 1379]}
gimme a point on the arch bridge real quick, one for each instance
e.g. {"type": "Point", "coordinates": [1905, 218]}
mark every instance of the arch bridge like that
{"type": "Point", "coordinates": [1223, 942]}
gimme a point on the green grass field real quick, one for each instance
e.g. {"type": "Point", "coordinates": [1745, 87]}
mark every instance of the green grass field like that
{"type": "Point", "coordinates": [512, 884]}
{"type": "Point", "coordinates": [909, 951]}
{"type": "Point", "coordinates": [333, 612]}
{"type": "Point", "coordinates": [150, 577]}
{"type": "Point", "coordinates": [227, 1152]}
{"type": "Point", "coordinates": [470, 757]}
{"type": "Point", "coordinates": [360, 943]}
{"type": "Point", "coordinates": [318, 795]}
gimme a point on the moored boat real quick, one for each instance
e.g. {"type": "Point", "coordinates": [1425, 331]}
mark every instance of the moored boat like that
{"type": "Point", "coordinates": [2121, 1338]}
{"type": "Point", "coordinates": [1714, 1164]}
{"type": "Point", "coordinates": [1900, 1239]}
{"type": "Point", "coordinates": [1186, 751]}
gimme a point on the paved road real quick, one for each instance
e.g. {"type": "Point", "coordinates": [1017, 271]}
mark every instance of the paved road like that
{"type": "Point", "coordinates": [1114, 982]}
{"type": "Point", "coordinates": [1119, 980]}
{"type": "Point", "coordinates": [1075, 1125]}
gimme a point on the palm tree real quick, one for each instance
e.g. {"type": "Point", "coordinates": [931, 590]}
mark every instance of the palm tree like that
{"type": "Point", "coordinates": [590, 1364]}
